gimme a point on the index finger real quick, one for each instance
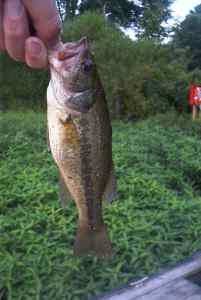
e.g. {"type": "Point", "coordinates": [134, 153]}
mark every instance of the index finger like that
{"type": "Point", "coordinates": [45, 18]}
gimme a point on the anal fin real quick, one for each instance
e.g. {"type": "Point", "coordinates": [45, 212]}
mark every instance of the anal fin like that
{"type": "Point", "coordinates": [110, 194]}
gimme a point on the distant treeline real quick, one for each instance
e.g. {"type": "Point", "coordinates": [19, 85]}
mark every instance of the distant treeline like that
{"type": "Point", "coordinates": [140, 77]}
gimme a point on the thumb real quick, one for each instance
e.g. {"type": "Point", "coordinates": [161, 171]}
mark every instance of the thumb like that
{"type": "Point", "coordinates": [36, 53]}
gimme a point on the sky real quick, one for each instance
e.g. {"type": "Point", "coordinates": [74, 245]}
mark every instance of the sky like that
{"type": "Point", "coordinates": [180, 9]}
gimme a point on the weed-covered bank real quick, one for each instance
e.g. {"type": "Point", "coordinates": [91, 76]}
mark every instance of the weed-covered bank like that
{"type": "Point", "coordinates": [155, 222]}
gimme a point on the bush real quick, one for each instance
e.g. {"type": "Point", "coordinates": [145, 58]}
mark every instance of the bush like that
{"type": "Point", "coordinates": [141, 74]}
{"type": "Point", "coordinates": [21, 87]}
{"type": "Point", "coordinates": [140, 77]}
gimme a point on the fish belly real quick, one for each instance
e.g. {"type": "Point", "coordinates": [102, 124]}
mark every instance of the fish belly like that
{"type": "Point", "coordinates": [81, 148]}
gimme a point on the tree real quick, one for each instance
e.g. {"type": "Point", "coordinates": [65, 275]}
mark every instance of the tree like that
{"type": "Point", "coordinates": [139, 77]}
{"type": "Point", "coordinates": [188, 36]}
{"type": "Point", "coordinates": [67, 8]}
{"type": "Point", "coordinates": [122, 12]}
{"type": "Point", "coordinates": [145, 16]}
{"type": "Point", "coordinates": [155, 14]}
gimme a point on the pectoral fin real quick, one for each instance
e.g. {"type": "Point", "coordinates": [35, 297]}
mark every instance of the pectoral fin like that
{"type": "Point", "coordinates": [64, 193]}
{"type": "Point", "coordinates": [110, 193]}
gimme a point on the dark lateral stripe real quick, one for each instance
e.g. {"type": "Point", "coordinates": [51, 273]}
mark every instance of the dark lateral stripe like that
{"type": "Point", "coordinates": [86, 170]}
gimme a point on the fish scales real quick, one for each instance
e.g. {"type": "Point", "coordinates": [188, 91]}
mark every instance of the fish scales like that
{"type": "Point", "coordinates": [81, 145]}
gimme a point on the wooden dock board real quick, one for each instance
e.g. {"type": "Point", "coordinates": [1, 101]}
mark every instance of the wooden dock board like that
{"type": "Point", "coordinates": [173, 284]}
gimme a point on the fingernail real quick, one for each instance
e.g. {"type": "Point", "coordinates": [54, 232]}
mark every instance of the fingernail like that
{"type": "Point", "coordinates": [14, 8]}
{"type": "Point", "coordinates": [35, 48]}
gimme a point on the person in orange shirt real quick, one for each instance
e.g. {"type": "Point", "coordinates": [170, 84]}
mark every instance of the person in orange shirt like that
{"type": "Point", "coordinates": [195, 100]}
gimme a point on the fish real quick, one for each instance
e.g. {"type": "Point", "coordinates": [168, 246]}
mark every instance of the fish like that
{"type": "Point", "coordinates": [80, 139]}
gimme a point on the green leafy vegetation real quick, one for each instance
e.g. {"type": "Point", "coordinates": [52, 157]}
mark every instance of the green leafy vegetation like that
{"type": "Point", "coordinates": [187, 36]}
{"type": "Point", "coordinates": [21, 87]}
{"type": "Point", "coordinates": [147, 17]}
{"type": "Point", "coordinates": [155, 222]}
{"type": "Point", "coordinates": [140, 78]}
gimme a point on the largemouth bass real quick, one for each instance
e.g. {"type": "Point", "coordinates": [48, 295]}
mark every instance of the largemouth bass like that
{"type": "Point", "coordinates": [80, 138]}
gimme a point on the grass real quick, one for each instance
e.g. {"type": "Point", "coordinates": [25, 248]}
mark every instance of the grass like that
{"type": "Point", "coordinates": [155, 222]}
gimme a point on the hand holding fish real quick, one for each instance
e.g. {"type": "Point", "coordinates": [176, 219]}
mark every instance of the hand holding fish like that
{"type": "Point", "coordinates": [15, 35]}
{"type": "Point", "coordinates": [79, 129]}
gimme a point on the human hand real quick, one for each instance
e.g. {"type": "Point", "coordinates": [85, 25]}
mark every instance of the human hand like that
{"type": "Point", "coordinates": [15, 36]}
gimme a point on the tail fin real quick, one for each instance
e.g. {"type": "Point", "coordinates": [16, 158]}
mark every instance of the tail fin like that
{"type": "Point", "coordinates": [90, 241]}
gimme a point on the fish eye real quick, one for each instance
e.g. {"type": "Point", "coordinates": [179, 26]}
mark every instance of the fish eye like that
{"type": "Point", "coordinates": [87, 65]}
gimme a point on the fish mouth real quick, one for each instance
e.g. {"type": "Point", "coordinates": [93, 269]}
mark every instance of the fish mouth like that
{"type": "Point", "coordinates": [65, 61]}
{"type": "Point", "coordinates": [71, 50]}
{"type": "Point", "coordinates": [64, 57]}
